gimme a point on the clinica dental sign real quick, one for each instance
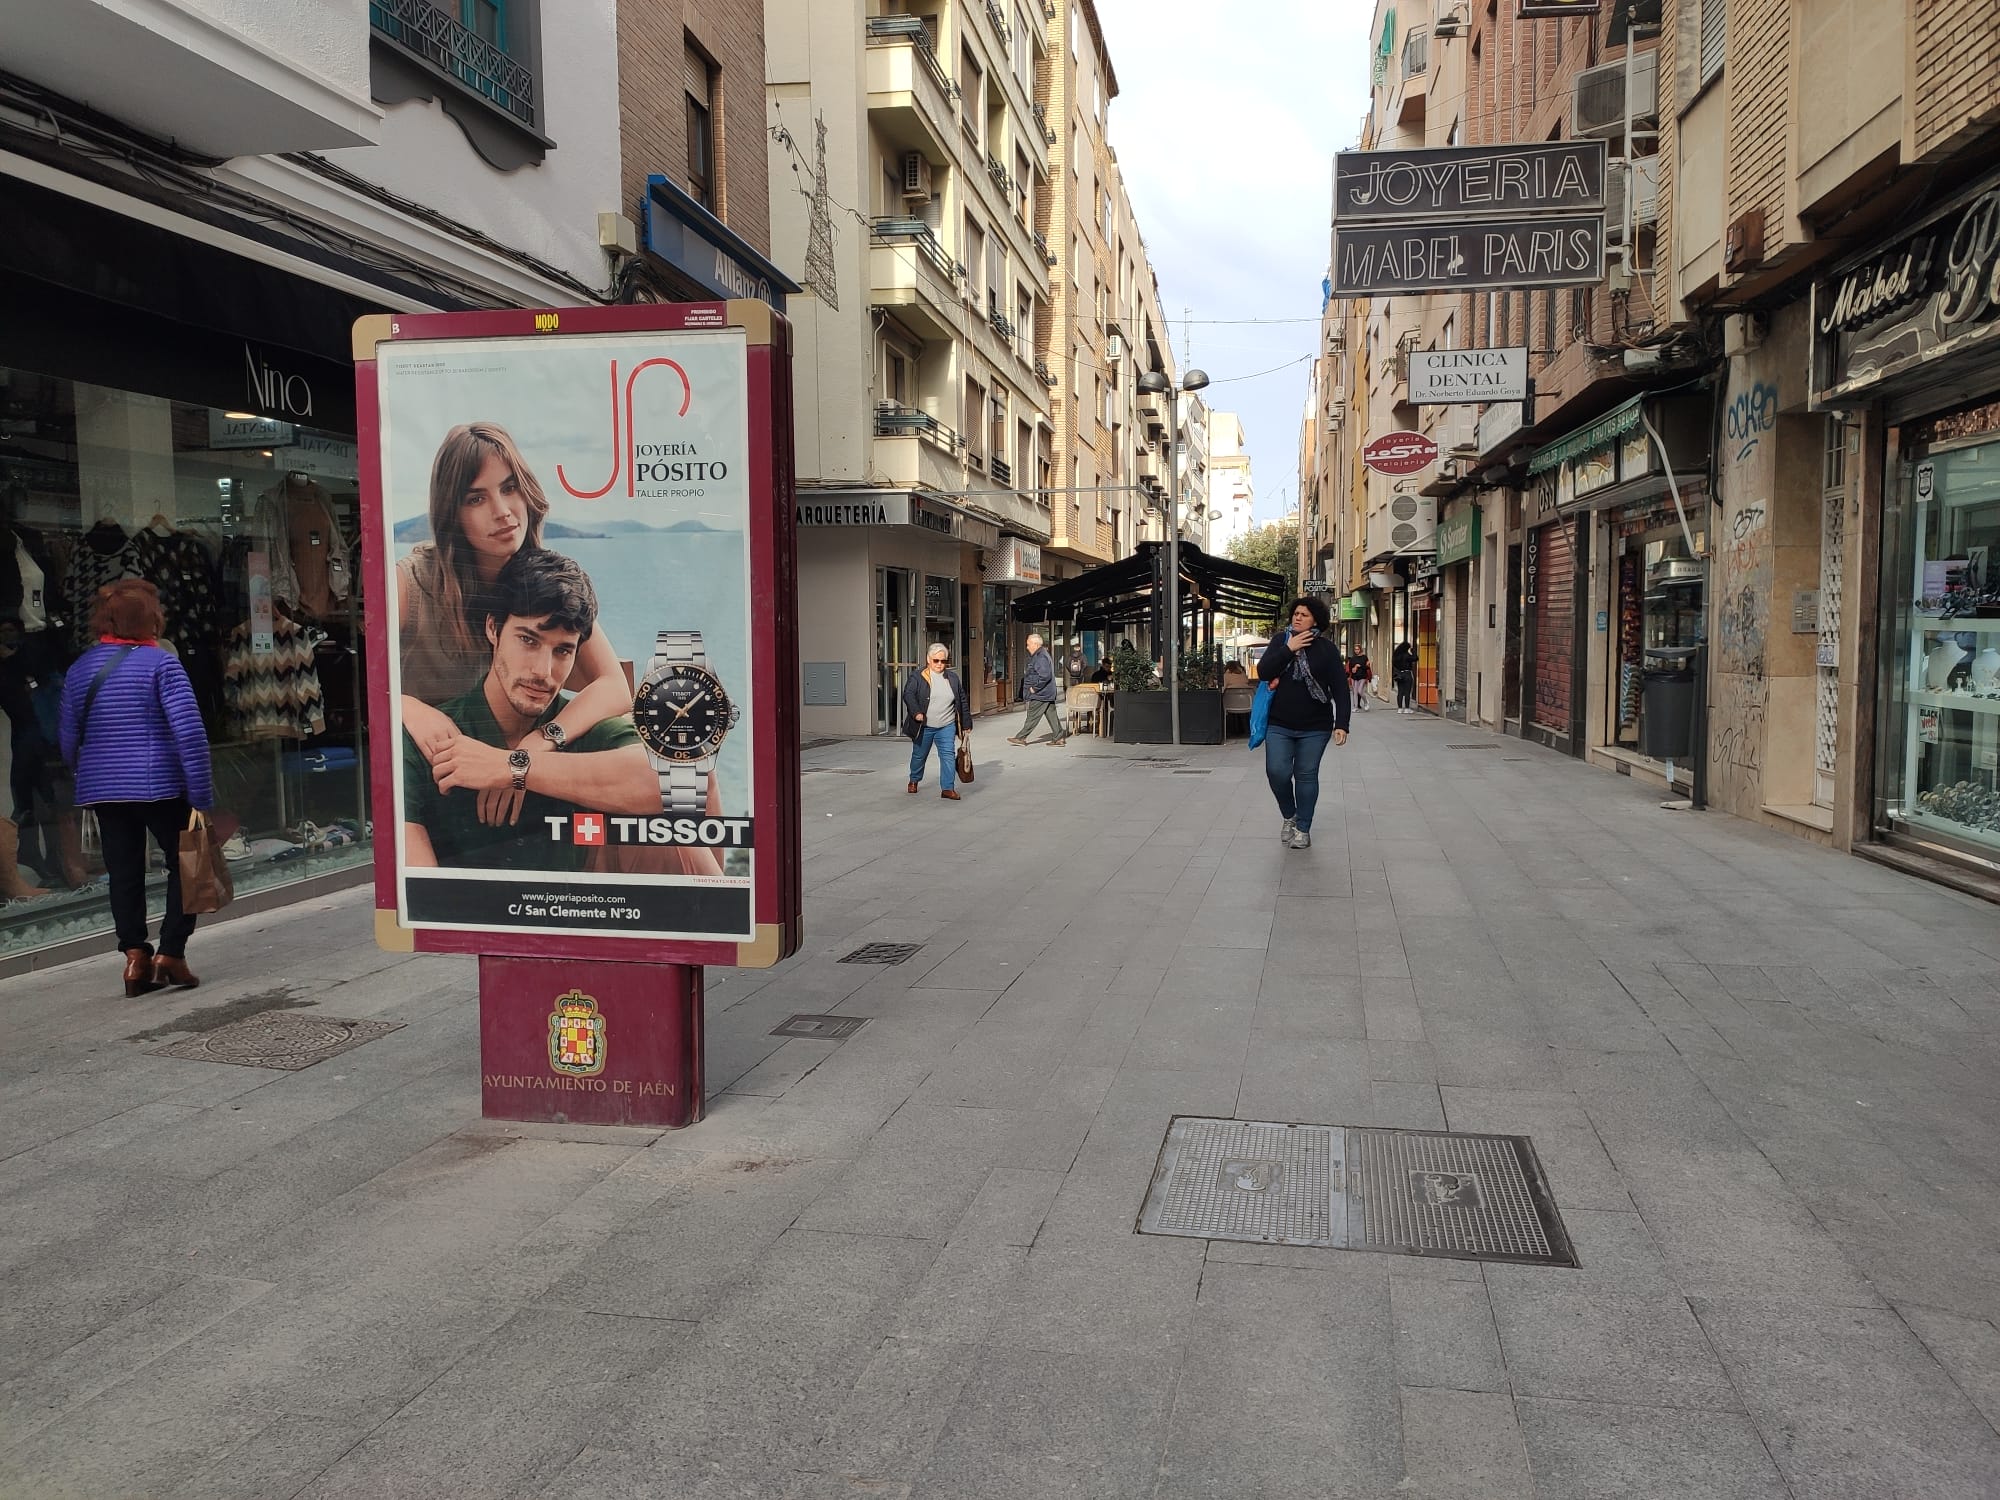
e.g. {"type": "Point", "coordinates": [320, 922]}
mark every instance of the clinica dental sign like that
{"type": "Point", "coordinates": [1452, 377]}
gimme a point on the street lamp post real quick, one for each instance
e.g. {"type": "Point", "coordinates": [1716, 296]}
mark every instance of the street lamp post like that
{"type": "Point", "coordinates": [1157, 381]}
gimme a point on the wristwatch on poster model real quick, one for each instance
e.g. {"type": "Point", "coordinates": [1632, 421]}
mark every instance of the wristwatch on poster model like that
{"type": "Point", "coordinates": [682, 715]}
{"type": "Point", "coordinates": [517, 762]}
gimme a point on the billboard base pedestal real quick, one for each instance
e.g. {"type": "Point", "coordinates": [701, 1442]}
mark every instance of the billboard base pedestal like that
{"type": "Point", "coordinates": [564, 1041]}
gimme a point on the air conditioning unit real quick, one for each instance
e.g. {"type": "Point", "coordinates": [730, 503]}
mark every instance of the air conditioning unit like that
{"type": "Point", "coordinates": [1450, 24]}
{"type": "Point", "coordinates": [1645, 172]}
{"type": "Point", "coordinates": [916, 177]}
{"type": "Point", "coordinates": [1336, 414]}
{"type": "Point", "coordinates": [1114, 348]}
{"type": "Point", "coordinates": [1600, 97]}
{"type": "Point", "coordinates": [1336, 338]}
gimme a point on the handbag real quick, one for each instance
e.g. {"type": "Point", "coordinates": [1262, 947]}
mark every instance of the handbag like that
{"type": "Point", "coordinates": [1260, 713]}
{"type": "Point", "coordinates": [90, 696]}
{"type": "Point", "coordinates": [206, 884]}
{"type": "Point", "coordinates": [964, 759]}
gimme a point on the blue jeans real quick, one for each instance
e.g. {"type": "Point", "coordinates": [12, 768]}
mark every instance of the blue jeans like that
{"type": "Point", "coordinates": [1291, 761]}
{"type": "Point", "coordinates": [945, 737]}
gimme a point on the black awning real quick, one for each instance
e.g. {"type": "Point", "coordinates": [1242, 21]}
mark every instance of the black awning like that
{"type": "Point", "coordinates": [1121, 593]}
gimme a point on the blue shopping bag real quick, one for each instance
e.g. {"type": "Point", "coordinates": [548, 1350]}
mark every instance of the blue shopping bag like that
{"type": "Point", "coordinates": [1260, 714]}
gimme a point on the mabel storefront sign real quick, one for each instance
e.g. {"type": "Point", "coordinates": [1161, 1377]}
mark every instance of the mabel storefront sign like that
{"type": "Point", "coordinates": [1458, 537]}
{"type": "Point", "coordinates": [1449, 377]}
{"type": "Point", "coordinates": [1916, 301]}
{"type": "Point", "coordinates": [1400, 453]}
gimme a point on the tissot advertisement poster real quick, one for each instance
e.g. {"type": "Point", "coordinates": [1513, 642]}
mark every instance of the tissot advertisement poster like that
{"type": "Point", "coordinates": [568, 544]}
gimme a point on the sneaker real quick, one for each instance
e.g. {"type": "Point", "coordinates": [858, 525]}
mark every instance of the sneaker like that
{"type": "Point", "coordinates": [1285, 833]}
{"type": "Point", "coordinates": [1300, 839]}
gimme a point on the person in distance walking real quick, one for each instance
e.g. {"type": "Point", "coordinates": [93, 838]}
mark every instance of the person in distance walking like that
{"type": "Point", "coordinates": [1309, 707]}
{"type": "Point", "coordinates": [1038, 686]}
{"type": "Point", "coordinates": [1403, 670]}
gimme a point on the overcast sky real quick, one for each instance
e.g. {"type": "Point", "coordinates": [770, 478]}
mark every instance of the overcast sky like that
{"type": "Point", "coordinates": [1226, 121]}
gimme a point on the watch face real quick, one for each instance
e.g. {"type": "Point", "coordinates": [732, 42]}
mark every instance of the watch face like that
{"type": "Point", "coordinates": [682, 713]}
{"type": "Point", "coordinates": [518, 759]}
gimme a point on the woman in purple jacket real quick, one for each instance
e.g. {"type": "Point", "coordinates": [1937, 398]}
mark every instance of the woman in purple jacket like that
{"type": "Point", "coordinates": [133, 736]}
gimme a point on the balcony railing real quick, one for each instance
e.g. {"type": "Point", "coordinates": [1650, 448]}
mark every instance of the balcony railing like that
{"type": "Point", "coordinates": [421, 29]}
{"type": "Point", "coordinates": [886, 29]}
{"type": "Point", "coordinates": [1416, 53]}
{"type": "Point", "coordinates": [1045, 374]}
{"type": "Point", "coordinates": [1042, 244]}
{"type": "Point", "coordinates": [1002, 472]}
{"type": "Point", "coordinates": [917, 233]}
{"type": "Point", "coordinates": [1002, 324]}
{"type": "Point", "coordinates": [1002, 179]}
{"type": "Point", "coordinates": [1041, 114]}
{"type": "Point", "coordinates": [999, 19]}
{"type": "Point", "coordinates": [893, 419]}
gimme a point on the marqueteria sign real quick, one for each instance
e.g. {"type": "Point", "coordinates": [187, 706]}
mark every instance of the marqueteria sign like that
{"type": "Point", "coordinates": [1469, 218]}
{"type": "Point", "coordinates": [581, 527]}
{"type": "Point", "coordinates": [1457, 377]}
{"type": "Point", "coordinates": [1913, 304]}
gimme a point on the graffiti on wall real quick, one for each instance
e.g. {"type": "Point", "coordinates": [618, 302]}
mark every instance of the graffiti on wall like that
{"type": "Point", "coordinates": [1750, 419]}
{"type": "Point", "coordinates": [1743, 591]}
{"type": "Point", "coordinates": [1736, 744]}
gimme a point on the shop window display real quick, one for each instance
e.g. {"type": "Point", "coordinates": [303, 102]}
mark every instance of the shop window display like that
{"type": "Point", "coordinates": [1660, 606]}
{"type": "Point", "coordinates": [1945, 688]}
{"type": "Point", "coordinates": [247, 527]}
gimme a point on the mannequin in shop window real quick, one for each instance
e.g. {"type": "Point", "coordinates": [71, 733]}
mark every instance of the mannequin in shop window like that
{"type": "Point", "coordinates": [308, 552]}
{"type": "Point", "coordinates": [485, 506]}
{"type": "Point", "coordinates": [42, 826]}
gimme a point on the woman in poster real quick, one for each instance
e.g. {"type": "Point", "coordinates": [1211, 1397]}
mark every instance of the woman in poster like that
{"type": "Point", "coordinates": [485, 506]}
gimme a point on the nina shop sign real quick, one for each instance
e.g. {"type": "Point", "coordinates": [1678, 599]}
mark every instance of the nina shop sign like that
{"type": "Point", "coordinates": [1915, 301]}
{"type": "Point", "coordinates": [269, 387]}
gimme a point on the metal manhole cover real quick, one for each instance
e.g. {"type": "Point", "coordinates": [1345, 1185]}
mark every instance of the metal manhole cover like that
{"type": "Point", "coordinates": [1203, 772]}
{"type": "Point", "coordinates": [1410, 1192]}
{"type": "Point", "coordinates": [1472, 747]}
{"type": "Point", "coordinates": [881, 953]}
{"type": "Point", "coordinates": [820, 1028]}
{"type": "Point", "coordinates": [848, 771]}
{"type": "Point", "coordinates": [811, 770]}
{"type": "Point", "coordinates": [285, 1039]}
{"type": "Point", "coordinates": [1097, 755]}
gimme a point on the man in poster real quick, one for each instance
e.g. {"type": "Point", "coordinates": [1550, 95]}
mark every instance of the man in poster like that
{"type": "Point", "coordinates": [543, 610]}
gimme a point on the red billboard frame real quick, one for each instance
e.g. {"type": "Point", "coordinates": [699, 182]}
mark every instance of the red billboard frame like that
{"type": "Point", "coordinates": [776, 877]}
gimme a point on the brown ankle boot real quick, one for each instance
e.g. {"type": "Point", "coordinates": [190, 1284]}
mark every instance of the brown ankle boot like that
{"type": "Point", "coordinates": [12, 886]}
{"type": "Point", "coordinates": [139, 973]}
{"type": "Point", "coordinates": [173, 971]}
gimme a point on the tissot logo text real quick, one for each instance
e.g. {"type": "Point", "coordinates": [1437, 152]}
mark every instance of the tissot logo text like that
{"type": "Point", "coordinates": [699, 833]}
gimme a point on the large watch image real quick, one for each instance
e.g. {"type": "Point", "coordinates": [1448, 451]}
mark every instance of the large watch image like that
{"type": "Point", "coordinates": [682, 714]}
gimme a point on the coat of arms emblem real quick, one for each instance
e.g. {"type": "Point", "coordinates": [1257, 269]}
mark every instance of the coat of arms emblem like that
{"type": "Point", "coordinates": [577, 1038]}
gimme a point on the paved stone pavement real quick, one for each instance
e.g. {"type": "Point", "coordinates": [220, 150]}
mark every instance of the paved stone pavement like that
{"type": "Point", "coordinates": [1761, 1077]}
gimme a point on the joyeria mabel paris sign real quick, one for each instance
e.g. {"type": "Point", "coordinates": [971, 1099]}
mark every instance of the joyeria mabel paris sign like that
{"type": "Point", "coordinates": [1469, 218]}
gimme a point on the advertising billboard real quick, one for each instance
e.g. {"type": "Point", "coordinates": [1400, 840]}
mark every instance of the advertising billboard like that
{"type": "Point", "coordinates": [1400, 453]}
{"type": "Point", "coordinates": [583, 668]}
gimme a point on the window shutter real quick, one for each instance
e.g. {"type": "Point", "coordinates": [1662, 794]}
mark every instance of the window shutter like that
{"type": "Point", "coordinates": [1714, 36]}
{"type": "Point", "coordinates": [696, 68]}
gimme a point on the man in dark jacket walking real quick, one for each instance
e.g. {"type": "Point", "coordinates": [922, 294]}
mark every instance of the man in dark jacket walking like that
{"type": "Point", "coordinates": [1038, 686]}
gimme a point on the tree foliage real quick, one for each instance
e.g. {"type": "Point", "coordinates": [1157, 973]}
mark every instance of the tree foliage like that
{"type": "Point", "coordinates": [1273, 547]}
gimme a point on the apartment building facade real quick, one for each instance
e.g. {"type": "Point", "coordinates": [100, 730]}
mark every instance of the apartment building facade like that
{"type": "Point", "coordinates": [201, 199]}
{"type": "Point", "coordinates": [910, 172]}
{"type": "Point", "coordinates": [1827, 175]}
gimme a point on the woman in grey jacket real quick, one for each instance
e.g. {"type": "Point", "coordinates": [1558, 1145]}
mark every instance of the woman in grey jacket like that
{"type": "Point", "coordinates": [935, 712]}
